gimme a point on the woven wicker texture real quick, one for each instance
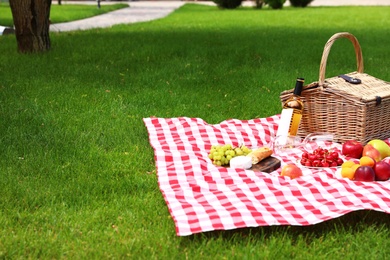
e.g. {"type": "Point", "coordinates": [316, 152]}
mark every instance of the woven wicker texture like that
{"type": "Point", "coordinates": [349, 111]}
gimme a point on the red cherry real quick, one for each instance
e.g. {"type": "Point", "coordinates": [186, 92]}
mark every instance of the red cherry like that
{"type": "Point", "coordinates": [316, 163]}
{"type": "Point", "coordinates": [329, 158]}
{"type": "Point", "coordinates": [335, 155]}
{"type": "Point", "coordinates": [333, 164]}
{"type": "Point", "coordinates": [340, 161]}
{"type": "Point", "coordinates": [325, 163]}
{"type": "Point", "coordinates": [312, 157]}
{"type": "Point", "coordinates": [308, 164]}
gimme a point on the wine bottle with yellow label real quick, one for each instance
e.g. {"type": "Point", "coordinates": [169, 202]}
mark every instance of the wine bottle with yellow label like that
{"type": "Point", "coordinates": [295, 103]}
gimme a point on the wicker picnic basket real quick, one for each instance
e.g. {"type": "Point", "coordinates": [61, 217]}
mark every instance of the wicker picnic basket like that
{"type": "Point", "coordinates": [348, 111]}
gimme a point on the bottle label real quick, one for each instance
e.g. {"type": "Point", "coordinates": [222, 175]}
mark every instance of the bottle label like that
{"type": "Point", "coordinates": [285, 122]}
{"type": "Point", "coordinates": [296, 119]}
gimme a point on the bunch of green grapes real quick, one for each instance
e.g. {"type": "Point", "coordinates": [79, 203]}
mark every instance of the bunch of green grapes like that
{"type": "Point", "coordinates": [222, 154]}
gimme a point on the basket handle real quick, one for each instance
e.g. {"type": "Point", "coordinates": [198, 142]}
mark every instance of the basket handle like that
{"type": "Point", "coordinates": [328, 45]}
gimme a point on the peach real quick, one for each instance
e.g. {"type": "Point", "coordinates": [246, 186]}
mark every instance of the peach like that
{"type": "Point", "coordinates": [347, 172]}
{"type": "Point", "coordinates": [370, 151]}
{"type": "Point", "coordinates": [348, 164]}
{"type": "Point", "coordinates": [367, 161]}
{"type": "Point", "coordinates": [291, 170]}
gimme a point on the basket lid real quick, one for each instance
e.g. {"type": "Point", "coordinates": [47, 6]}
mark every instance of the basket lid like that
{"type": "Point", "coordinates": [370, 88]}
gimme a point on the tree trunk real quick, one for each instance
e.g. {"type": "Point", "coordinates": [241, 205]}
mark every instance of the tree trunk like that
{"type": "Point", "coordinates": [31, 20]}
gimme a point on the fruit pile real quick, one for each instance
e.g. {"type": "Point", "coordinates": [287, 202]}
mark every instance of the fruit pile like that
{"type": "Point", "coordinates": [363, 163]}
{"type": "Point", "coordinates": [222, 154]}
{"type": "Point", "coordinates": [366, 163]}
{"type": "Point", "coordinates": [321, 157]}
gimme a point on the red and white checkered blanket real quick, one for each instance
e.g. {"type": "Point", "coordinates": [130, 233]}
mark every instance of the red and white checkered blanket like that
{"type": "Point", "coordinates": [203, 197]}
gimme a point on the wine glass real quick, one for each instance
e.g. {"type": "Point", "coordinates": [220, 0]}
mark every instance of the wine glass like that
{"type": "Point", "coordinates": [289, 144]}
{"type": "Point", "coordinates": [286, 144]}
{"type": "Point", "coordinates": [318, 139]}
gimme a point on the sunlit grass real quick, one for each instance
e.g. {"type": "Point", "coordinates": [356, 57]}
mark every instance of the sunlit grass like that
{"type": "Point", "coordinates": [77, 173]}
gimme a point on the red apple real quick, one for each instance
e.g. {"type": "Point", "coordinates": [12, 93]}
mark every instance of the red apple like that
{"type": "Point", "coordinates": [382, 171]}
{"type": "Point", "coordinates": [364, 173]}
{"type": "Point", "coordinates": [387, 159]}
{"type": "Point", "coordinates": [352, 148]}
{"type": "Point", "coordinates": [370, 151]}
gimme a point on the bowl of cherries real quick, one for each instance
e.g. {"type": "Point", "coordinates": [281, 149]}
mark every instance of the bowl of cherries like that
{"type": "Point", "coordinates": [321, 157]}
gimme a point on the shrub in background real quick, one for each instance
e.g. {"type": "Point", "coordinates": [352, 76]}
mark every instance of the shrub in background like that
{"type": "Point", "coordinates": [228, 4]}
{"type": "Point", "coordinates": [300, 3]}
{"type": "Point", "coordinates": [259, 4]}
{"type": "Point", "coordinates": [275, 4]}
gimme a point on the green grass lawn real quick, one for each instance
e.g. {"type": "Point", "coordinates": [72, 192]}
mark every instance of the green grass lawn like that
{"type": "Point", "coordinates": [62, 13]}
{"type": "Point", "coordinates": [77, 173]}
